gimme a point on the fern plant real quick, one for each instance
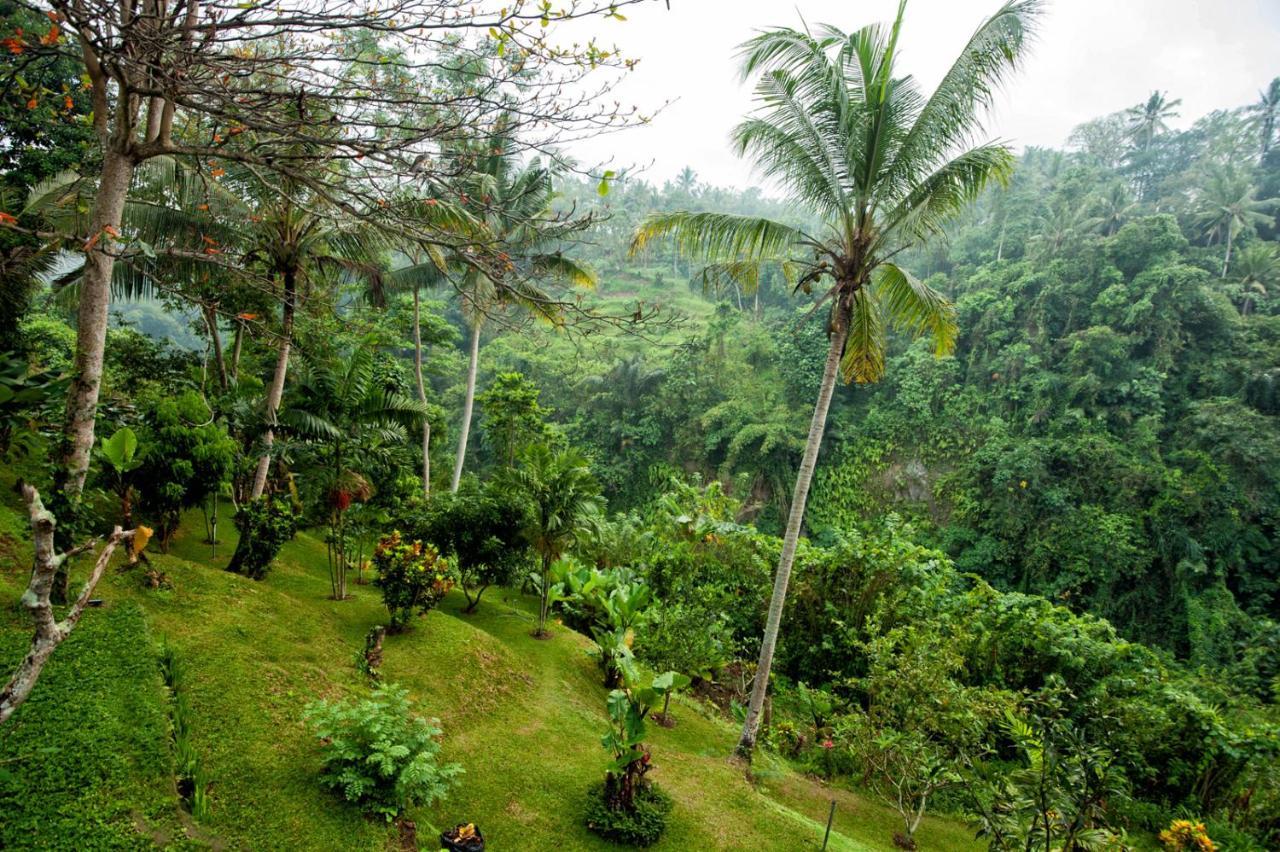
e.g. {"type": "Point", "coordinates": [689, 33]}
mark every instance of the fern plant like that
{"type": "Point", "coordinates": [378, 754]}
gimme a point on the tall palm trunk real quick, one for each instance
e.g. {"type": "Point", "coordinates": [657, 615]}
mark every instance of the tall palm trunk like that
{"type": "Point", "coordinates": [91, 323]}
{"type": "Point", "coordinates": [422, 394]}
{"type": "Point", "coordinates": [276, 392]}
{"type": "Point", "coordinates": [796, 517]}
{"type": "Point", "coordinates": [467, 406]}
{"type": "Point", "coordinates": [1226, 258]}
{"type": "Point", "coordinates": [235, 350]}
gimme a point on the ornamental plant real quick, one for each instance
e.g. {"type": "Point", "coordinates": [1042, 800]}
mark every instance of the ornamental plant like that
{"type": "Point", "coordinates": [378, 754]}
{"type": "Point", "coordinates": [1183, 835]}
{"type": "Point", "coordinates": [413, 577]}
{"type": "Point", "coordinates": [628, 807]}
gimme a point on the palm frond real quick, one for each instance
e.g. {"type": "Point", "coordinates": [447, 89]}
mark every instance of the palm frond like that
{"type": "Point", "coordinates": [953, 113]}
{"type": "Point", "coordinates": [910, 304]}
{"type": "Point", "coordinates": [719, 237]}
{"type": "Point", "coordinates": [864, 350]}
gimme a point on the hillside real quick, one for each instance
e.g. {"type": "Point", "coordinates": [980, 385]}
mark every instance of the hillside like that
{"type": "Point", "coordinates": [524, 718]}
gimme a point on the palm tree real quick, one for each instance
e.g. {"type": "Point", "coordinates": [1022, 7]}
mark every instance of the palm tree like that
{"type": "Point", "coordinates": [348, 420]}
{"type": "Point", "coordinates": [514, 206]}
{"type": "Point", "coordinates": [883, 166]}
{"type": "Point", "coordinates": [1257, 269]}
{"type": "Point", "coordinates": [1061, 225]}
{"type": "Point", "coordinates": [1148, 120]}
{"type": "Point", "coordinates": [563, 499]}
{"type": "Point", "coordinates": [1229, 207]}
{"type": "Point", "coordinates": [1265, 112]}
{"type": "Point", "coordinates": [1115, 206]}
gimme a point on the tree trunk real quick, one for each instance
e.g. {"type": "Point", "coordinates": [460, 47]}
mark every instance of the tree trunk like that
{"type": "Point", "coordinates": [235, 350]}
{"type": "Point", "coordinates": [422, 394]}
{"type": "Point", "coordinates": [276, 391]}
{"type": "Point", "coordinates": [467, 406]}
{"type": "Point", "coordinates": [211, 321]}
{"type": "Point", "coordinates": [49, 632]}
{"type": "Point", "coordinates": [91, 324]}
{"type": "Point", "coordinates": [1226, 258]}
{"type": "Point", "coordinates": [794, 520]}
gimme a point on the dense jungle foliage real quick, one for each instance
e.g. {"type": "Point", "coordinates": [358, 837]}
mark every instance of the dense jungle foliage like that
{"type": "Point", "coordinates": [1037, 592]}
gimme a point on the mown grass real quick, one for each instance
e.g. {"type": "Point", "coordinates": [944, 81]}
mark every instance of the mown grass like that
{"type": "Point", "coordinates": [523, 716]}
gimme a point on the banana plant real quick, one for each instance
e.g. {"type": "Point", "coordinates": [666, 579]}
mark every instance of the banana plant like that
{"type": "Point", "coordinates": [120, 452]}
{"type": "Point", "coordinates": [627, 706]}
{"type": "Point", "coordinates": [620, 610]}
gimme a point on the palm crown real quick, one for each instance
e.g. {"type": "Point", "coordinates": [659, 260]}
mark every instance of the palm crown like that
{"type": "Point", "coordinates": [878, 163]}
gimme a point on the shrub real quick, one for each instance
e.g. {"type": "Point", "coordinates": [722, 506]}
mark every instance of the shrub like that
{"type": "Point", "coordinates": [480, 531]}
{"type": "Point", "coordinates": [188, 457]}
{"type": "Point", "coordinates": [379, 755]}
{"type": "Point", "coordinates": [412, 576]}
{"type": "Point", "coordinates": [642, 825]}
{"type": "Point", "coordinates": [265, 525]}
{"type": "Point", "coordinates": [1183, 835]}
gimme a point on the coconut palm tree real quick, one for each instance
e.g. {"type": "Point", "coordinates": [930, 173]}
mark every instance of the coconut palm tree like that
{"type": "Point", "coordinates": [1115, 207]}
{"type": "Point", "coordinates": [883, 166]}
{"type": "Point", "coordinates": [562, 497]}
{"type": "Point", "coordinates": [1257, 270]}
{"type": "Point", "coordinates": [513, 204]}
{"type": "Point", "coordinates": [1149, 119]}
{"type": "Point", "coordinates": [1229, 206]}
{"type": "Point", "coordinates": [1265, 112]}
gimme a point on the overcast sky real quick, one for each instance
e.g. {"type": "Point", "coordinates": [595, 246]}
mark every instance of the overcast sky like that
{"type": "Point", "coordinates": [1092, 57]}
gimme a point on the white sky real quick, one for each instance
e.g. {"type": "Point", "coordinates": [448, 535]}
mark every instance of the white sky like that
{"type": "Point", "coordinates": [1092, 57]}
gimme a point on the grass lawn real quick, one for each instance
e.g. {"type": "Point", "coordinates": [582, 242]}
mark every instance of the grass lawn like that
{"type": "Point", "coordinates": [524, 717]}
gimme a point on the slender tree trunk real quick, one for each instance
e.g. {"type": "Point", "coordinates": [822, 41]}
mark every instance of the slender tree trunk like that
{"type": "Point", "coordinates": [276, 391]}
{"type": "Point", "coordinates": [235, 350]}
{"type": "Point", "coordinates": [1226, 258]}
{"type": "Point", "coordinates": [211, 321]}
{"type": "Point", "coordinates": [422, 394]}
{"type": "Point", "coordinates": [91, 324]}
{"type": "Point", "coordinates": [795, 519]}
{"type": "Point", "coordinates": [467, 406]}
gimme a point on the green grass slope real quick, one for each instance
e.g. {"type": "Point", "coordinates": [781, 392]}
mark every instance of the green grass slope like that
{"type": "Point", "coordinates": [524, 717]}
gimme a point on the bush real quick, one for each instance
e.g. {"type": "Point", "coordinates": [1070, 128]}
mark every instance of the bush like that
{"type": "Point", "coordinates": [480, 531]}
{"type": "Point", "coordinates": [378, 755]}
{"type": "Point", "coordinates": [265, 525]}
{"type": "Point", "coordinates": [412, 576]}
{"type": "Point", "coordinates": [642, 825]}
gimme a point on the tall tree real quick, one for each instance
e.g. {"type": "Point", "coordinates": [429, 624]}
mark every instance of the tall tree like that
{"type": "Point", "coordinates": [1257, 270]}
{"type": "Point", "coordinates": [1265, 112]}
{"type": "Point", "coordinates": [883, 166]}
{"type": "Point", "coordinates": [1229, 206]}
{"type": "Point", "coordinates": [514, 203]}
{"type": "Point", "coordinates": [1149, 119]}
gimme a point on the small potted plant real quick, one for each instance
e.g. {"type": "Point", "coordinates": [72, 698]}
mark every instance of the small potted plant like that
{"type": "Point", "coordinates": [462, 838]}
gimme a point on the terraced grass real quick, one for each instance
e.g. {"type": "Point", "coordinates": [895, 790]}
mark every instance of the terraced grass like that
{"type": "Point", "coordinates": [523, 716]}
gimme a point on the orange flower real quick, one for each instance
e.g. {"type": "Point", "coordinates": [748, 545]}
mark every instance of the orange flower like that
{"type": "Point", "coordinates": [32, 104]}
{"type": "Point", "coordinates": [217, 173]}
{"type": "Point", "coordinates": [111, 231]}
{"type": "Point", "coordinates": [7, 219]}
{"type": "Point", "coordinates": [68, 103]}
{"type": "Point", "coordinates": [52, 36]}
